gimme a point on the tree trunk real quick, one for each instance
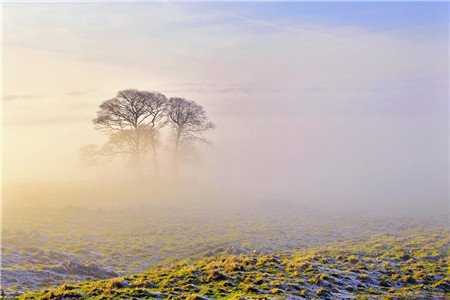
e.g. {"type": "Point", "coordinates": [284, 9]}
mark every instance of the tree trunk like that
{"type": "Point", "coordinates": [155, 156]}
{"type": "Point", "coordinates": [138, 162]}
{"type": "Point", "coordinates": [176, 158]}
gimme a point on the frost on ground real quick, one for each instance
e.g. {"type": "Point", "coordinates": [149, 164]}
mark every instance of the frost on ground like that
{"type": "Point", "coordinates": [408, 265]}
{"type": "Point", "coordinates": [68, 245]}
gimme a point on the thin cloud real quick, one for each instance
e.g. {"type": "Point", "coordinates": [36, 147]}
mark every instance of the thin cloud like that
{"type": "Point", "coordinates": [13, 97]}
{"type": "Point", "coordinates": [216, 88]}
{"type": "Point", "coordinates": [78, 93]}
{"type": "Point", "coordinates": [50, 121]}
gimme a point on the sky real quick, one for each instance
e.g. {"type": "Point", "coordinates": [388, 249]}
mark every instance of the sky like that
{"type": "Point", "coordinates": [311, 100]}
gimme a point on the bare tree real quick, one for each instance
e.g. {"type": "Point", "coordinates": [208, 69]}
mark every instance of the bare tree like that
{"type": "Point", "coordinates": [189, 121]}
{"type": "Point", "coordinates": [132, 120]}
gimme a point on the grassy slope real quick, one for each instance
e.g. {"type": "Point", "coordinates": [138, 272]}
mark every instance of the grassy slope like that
{"type": "Point", "coordinates": [411, 264]}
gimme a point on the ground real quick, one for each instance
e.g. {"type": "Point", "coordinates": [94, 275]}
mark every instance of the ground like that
{"type": "Point", "coordinates": [411, 263]}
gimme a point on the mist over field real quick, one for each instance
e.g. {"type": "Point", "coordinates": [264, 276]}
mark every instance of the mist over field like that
{"type": "Point", "coordinates": [316, 124]}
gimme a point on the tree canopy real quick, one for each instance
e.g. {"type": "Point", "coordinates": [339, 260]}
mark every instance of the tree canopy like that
{"type": "Point", "coordinates": [132, 122]}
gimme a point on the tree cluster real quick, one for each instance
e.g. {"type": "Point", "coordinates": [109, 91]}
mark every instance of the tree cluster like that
{"type": "Point", "coordinates": [133, 120]}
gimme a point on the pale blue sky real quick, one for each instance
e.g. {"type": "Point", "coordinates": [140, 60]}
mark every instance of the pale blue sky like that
{"type": "Point", "coordinates": [413, 18]}
{"type": "Point", "coordinates": [370, 15]}
{"type": "Point", "coordinates": [184, 43]}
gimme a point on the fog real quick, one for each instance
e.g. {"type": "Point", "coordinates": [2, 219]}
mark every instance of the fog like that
{"type": "Point", "coordinates": [387, 164]}
{"type": "Point", "coordinates": [337, 118]}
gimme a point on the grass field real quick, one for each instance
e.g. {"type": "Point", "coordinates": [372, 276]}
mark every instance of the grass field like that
{"type": "Point", "coordinates": [409, 264]}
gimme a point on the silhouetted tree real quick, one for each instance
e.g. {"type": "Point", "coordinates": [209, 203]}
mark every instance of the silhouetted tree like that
{"type": "Point", "coordinates": [189, 121]}
{"type": "Point", "coordinates": [132, 120]}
